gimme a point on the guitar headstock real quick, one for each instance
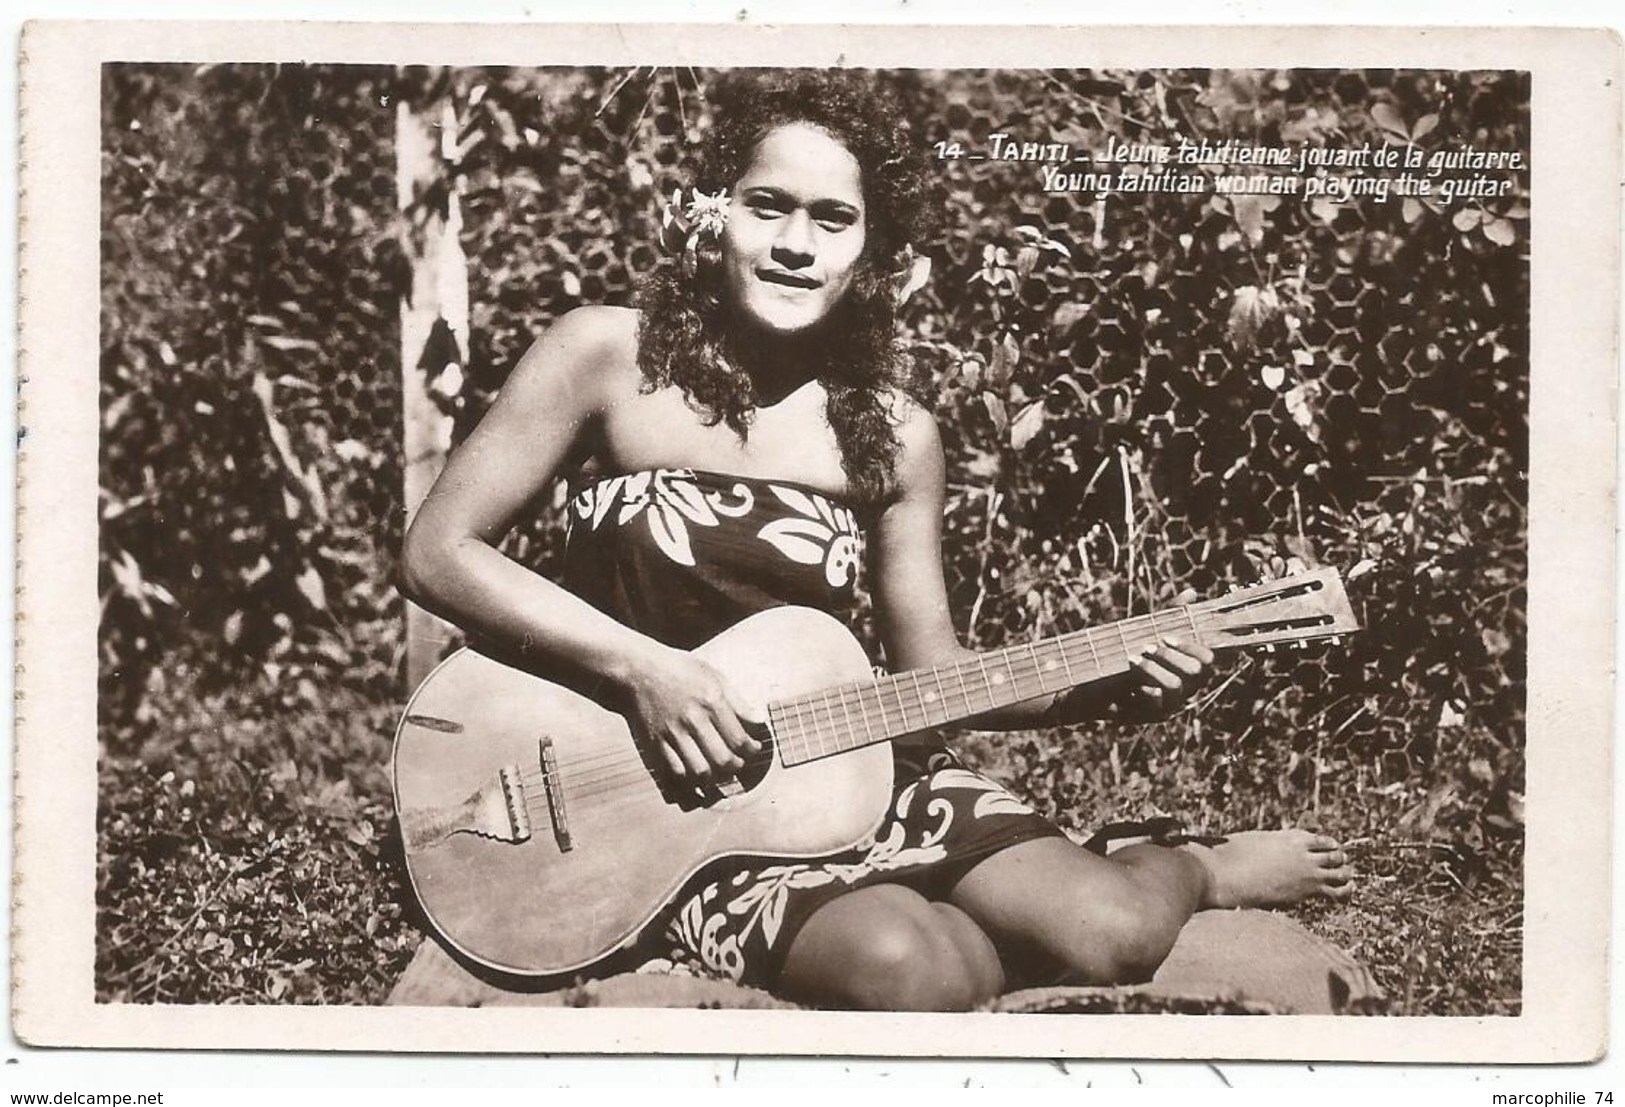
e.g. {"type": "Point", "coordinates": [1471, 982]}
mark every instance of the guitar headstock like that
{"type": "Point", "coordinates": [1293, 609]}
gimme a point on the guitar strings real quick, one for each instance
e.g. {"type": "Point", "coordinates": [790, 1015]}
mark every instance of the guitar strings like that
{"type": "Point", "coordinates": [805, 730]}
{"type": "Point", "coordinates": [810, 740]}
{"type": "Point", "coordinates": [617, 768]}
{"type": "Point", "coordinates": [801, 713]}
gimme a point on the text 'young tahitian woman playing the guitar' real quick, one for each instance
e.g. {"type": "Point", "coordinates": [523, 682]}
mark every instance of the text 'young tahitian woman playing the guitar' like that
{"type": "Point", "coordinates": [727, 444]}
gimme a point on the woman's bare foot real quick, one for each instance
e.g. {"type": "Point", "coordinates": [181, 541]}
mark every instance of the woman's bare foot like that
{"type": "Point", "coordinates": [1273, 868]}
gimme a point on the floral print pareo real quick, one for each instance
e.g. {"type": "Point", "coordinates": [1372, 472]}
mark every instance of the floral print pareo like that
{"type": "Point", "coordinates": [683, 554]}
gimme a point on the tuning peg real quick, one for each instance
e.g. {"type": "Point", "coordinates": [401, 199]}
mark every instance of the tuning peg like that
{"type": "Point", "coordinates": [1335, 639]}
{"type": "Point", "coordinates": [1269, 647]}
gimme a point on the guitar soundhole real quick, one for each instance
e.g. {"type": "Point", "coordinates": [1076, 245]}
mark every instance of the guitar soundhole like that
{"type": "Point", "coordinates": [757, 766]}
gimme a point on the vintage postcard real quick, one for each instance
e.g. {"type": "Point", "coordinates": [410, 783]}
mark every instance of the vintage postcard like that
{"type": "Point", "coordinates": [817, 540]}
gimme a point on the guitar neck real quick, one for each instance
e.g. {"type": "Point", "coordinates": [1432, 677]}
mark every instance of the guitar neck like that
{"type": "Point", "coordinates": [847, 716]}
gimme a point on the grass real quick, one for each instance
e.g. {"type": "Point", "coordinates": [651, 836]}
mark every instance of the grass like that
{"type": "Point", "coordinates": [248, 854]}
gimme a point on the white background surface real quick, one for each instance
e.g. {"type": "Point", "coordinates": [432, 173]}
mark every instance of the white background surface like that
{"type": "Point", "coordinates": [335, 1078]}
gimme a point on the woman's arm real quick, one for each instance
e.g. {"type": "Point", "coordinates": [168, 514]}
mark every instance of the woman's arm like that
{"type": "Point", "coordinates": [548, 414]}
{"type": "Point", "coordinates": [911, 602]}
{"type": "Point", "coordinates": [548, 411]}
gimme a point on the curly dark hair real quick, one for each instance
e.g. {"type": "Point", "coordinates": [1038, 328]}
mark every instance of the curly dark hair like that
{"type": "Point", "coordinates": [685, 336]}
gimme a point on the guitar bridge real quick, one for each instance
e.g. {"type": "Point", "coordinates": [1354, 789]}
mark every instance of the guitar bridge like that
{"type": "Point", "coordinates": [554, 789]}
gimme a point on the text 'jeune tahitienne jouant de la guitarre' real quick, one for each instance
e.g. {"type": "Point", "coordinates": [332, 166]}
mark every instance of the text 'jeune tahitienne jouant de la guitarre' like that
{"type": "Point", "coordinates": [1377, 170]}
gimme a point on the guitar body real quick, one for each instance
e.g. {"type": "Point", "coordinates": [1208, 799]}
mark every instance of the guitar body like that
{"type": "Point", "coordinates": [537, 837]}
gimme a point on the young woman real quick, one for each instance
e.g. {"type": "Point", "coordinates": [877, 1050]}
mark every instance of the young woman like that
{"type": "Point", "coordinates": [727, 443]}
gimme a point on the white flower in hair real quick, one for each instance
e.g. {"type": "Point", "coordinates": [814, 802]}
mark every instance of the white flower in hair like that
{"type": "Point", "coordinates": [708, 213]}
{"type": "Point", "coordinates": [704, 214]}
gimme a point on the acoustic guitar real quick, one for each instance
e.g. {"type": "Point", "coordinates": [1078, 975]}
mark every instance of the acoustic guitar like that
{"type": "Point", "coordinates": [539, 836]}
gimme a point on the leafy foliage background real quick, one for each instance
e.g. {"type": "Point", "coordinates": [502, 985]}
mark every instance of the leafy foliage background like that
{"type": "Point", "coordinates": [1138, 393]}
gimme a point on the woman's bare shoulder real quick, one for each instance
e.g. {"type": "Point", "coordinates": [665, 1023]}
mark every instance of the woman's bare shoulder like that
{"type": "Point", "coordinates": [617, 325]}
{"type": "Point", "coordinates": [915, 423]}
{"type": "Point", "coordinates": [919, 465]}
{"type": "Point", "coordinates": [603, 335]}
{"type": "Point", "coordinates": [591, 351]}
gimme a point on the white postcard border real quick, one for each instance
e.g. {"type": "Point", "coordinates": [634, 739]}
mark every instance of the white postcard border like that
{"type": "Point", "coordinates": [1575, 266]}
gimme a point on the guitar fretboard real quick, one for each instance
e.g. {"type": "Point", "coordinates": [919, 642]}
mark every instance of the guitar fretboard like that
{"type": "Point", "coordinates": [846, 716]}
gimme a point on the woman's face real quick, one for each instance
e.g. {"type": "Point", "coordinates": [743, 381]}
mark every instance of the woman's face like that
{"type": "Point", "coordinates": [796, 229]}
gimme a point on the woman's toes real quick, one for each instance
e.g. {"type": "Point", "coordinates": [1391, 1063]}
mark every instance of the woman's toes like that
{"type": "Point", "coordinates": [1338, 876]}
{"type": "Point", "coordinates": [1321, 844]}
{"type": "Point", "coordinates": [1331, 859]}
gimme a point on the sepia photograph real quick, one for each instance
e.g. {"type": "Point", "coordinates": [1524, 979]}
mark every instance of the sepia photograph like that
{"type": "Point", "coordinates": [690, 538]}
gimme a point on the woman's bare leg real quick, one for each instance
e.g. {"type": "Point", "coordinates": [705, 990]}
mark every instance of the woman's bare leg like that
{"type": "Point", "coordinates": [1112, 920]}
{"type": "Point", "coordinates": [887, 948]}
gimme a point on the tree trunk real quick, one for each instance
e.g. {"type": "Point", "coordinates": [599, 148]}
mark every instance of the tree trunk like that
{"type": "Point", "coordinates": [439, 292]}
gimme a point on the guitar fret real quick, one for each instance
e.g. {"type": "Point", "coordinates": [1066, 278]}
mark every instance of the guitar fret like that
{"type": "Point", "coordinates": [1066, 666]}
{"type": "Point", "coordinates": [1190, 618]}
{"type": "Point", "coordinates": [1088, 636]}
{"type": "Point", "coordinates": [846, 712]}
{"type": "Point", "coordinates": [925, 707]}
{"type": "Point", "coordinates": [829, 741]}
{"type": "Point", "coordinates": [793, 729]}
{"type": "Point", "coordinates": [1123, 638]}
{"type": "Point", "coordinates": [809, 729]}
{"type": "Point", "coordinates": [897, 702]}
{"type": "Point", "coordinates": [793, 735]}
{"type": "Point", "coordinates": [1038, 666]}
{"type": "Point", "coordinates": [797, 740]}
{"type": "Point", "coordinates": [942, 696]}
{"type": "Point", "coordinates": [959, 672]}
{"type": "Point", "coordinates": [823, 700]}
{"type": "Point", "coordinates": [880, 702]}
{"type": "Point", "coordinates": [868, 730]}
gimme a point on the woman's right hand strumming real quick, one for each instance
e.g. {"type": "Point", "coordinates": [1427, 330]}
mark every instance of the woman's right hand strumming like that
{"type": "Point", "coordinates": [683, 708]}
